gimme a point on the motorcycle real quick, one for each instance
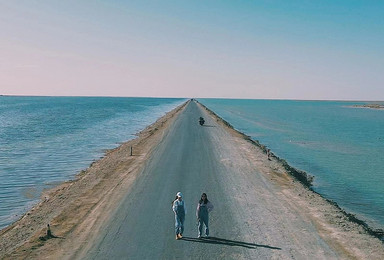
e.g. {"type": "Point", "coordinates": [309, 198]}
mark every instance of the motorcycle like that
{"type": "Point", "coordinates": [201, 121]}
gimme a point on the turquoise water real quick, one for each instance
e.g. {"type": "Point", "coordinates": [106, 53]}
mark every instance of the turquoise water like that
{"type": "Point", "coordinates": [342, 146]}
{"type": "Point", "coordinates": [46, 140]}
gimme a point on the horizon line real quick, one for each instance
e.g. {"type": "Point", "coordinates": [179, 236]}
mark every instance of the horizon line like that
{"type": "Point", "coordinates": [237, 98]}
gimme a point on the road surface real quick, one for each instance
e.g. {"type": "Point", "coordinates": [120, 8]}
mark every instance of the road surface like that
{"type": "Point", "coordinates": [249, 221]}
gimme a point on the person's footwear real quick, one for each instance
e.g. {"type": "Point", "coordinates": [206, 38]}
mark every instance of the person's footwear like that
{"type": "Point", "coordinates": [198, 236]}
{"type": "Point", "coordinates": [180, 236]}
{"type": "Point", "coordinates": [177, 236]}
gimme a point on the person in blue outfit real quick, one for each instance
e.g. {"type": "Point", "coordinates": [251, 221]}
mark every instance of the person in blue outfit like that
{"type": "Point", "coordinates": [178, 207]}
{"type": "Point", "coordinates": [202, 213]}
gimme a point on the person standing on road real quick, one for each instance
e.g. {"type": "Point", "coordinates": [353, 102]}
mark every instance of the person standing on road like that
{"type": "Point", "coordinates": [202, 213]}
{"type": "Point", "coordinates": [178, 207]}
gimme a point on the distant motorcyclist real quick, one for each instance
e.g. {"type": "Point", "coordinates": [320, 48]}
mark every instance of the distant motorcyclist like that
{"type": "Point", "coordinates": [201, 121]}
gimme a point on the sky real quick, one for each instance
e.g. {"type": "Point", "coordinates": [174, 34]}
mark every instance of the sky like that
{"type": "Point", "coordinates": [316, 50]}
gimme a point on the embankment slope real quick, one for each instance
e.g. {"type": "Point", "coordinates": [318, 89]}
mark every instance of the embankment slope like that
{"type": "Point", "coordinates": [123, 209]}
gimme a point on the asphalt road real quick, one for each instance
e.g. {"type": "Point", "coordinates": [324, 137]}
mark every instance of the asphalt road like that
{"type": "Point", "coordinates": [189, 159]}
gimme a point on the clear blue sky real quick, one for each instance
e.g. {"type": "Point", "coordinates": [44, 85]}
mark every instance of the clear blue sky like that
{"type": "Point", "coordinates": [233, 49]}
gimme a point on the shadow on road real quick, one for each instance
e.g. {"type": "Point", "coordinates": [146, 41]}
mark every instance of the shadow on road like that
{"type": "Point", "coordinates": [221, 241]}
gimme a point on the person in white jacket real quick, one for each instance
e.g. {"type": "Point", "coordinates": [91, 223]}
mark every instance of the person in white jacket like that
{"type": "Point", "coordinates": [178, 207]}
{"type": "Point", "coordinates": [202, 213]}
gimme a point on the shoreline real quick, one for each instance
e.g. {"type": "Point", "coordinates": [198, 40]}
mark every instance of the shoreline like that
{"type": "Point", "coordinates": [69, 207]}
{"type": "Point", "coordinates": [305, 179]}
{"type": "Point", "coordinates": [101, 186]}
{"type": "Point", "coordinates": [369, 106]}
{"type": "Point", "coordinates": [55, 152]}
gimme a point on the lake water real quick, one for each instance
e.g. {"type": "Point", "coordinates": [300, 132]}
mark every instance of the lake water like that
{"type": "Point", "coordinates": [47, 140]}
{"type": "Point", "coordinates": [341, 145]}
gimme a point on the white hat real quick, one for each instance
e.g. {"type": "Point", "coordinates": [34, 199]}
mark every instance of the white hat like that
{"type": "Point", "coordinates": [179, 194]}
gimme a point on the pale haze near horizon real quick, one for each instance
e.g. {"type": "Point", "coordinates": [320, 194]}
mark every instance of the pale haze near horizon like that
{"type": "Point", "coordinates": [330, 50]}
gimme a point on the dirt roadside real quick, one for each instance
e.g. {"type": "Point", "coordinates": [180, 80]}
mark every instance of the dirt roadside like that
{"type": "Point", "coordinates": [76, 209]}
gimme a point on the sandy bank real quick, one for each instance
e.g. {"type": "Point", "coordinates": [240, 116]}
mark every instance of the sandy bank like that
{"type": "Point", "coordinates": [75, 209]}
{"type": "Point", "coordinates": [371, 106]}
{"type": "Point", "coordinates": [302, 176]}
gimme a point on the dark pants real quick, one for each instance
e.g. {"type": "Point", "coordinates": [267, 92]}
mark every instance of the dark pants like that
{"type": "Point", "coordinates": [203, 220]}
